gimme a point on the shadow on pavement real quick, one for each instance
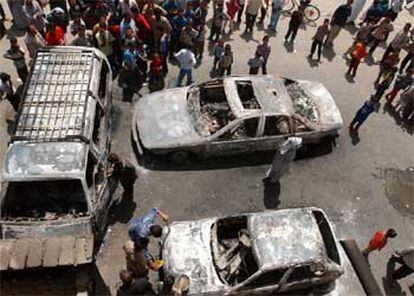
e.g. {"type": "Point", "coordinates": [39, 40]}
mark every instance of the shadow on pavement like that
{"type": "Point", "coordinates": [289, 46]}
{"type": "Point", "coordinates": [354, 137]}
{"type": "Point", "coordinates": [123, 212]}
{"type": "Point", "coordinates": [312, 63]}
{"type": "Point", "coordinates": [392, 289]}
{"type": "Point", "coordinates": [271, 193]}
{"type": "Point", "coordinates": [329, 53]}
{"type": "Point", "coordinates": [156, 162]}
{"type": "Point", "coordinates": [406, 125]}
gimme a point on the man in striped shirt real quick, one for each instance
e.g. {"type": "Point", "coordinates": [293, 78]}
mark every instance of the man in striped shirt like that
{"type": "Point", "coordinates": [264, 50]}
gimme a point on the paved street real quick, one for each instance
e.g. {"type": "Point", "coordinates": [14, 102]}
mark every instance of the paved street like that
{"type": "Point", "coordinates": [362, 187]}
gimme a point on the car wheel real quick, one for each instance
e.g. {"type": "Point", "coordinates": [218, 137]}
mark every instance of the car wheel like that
{"type": "Point", "coordinates": [180, 157]}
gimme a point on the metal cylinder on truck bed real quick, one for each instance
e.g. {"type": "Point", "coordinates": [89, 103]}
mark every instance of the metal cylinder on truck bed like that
{"type": "Point", "coordinates": [361, 267]}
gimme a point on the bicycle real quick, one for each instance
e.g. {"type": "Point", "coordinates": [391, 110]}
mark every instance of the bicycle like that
{"type": "Point", "coordinates": [312, 13]}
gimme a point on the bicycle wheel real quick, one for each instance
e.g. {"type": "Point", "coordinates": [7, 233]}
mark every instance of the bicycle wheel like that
{"type": "Point", "coordinates": [288, 7]}
{"type": "Point", "coordinates": [312, 13]}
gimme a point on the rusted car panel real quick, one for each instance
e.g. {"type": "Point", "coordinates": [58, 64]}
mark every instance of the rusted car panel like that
{"type": "Point", "coordinates": [258, 111]}
{"type": "Point", "coordinates": [44, 160]}
{"type": "Point", "coordinates": [45, 252]}
{"type": "Point", "coordinates": [231, 254]}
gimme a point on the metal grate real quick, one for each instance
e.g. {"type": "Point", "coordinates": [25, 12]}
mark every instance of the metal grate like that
{"type": "Point", "coordinates": [56, 97]}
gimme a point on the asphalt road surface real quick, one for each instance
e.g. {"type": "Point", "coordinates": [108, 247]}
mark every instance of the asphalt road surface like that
{"type": "Point", "coordinates": [362, 186]}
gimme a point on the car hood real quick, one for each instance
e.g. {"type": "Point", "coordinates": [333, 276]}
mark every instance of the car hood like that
{"type": "Point", "coordinates": [162, 119]}
{"type": "Point", "coordinates": [187, 250]}
{"type": "Point", "coordinates": [329, 116]}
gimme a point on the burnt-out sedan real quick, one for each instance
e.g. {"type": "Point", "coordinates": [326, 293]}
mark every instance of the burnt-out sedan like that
{"type": "Point", "coordinates": [259, 253]}
{"type": "Point", "coordinates": [234, 115]}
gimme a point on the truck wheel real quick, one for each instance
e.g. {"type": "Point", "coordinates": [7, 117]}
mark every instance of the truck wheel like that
{"type": "Point", "coordinates": [180, 157]}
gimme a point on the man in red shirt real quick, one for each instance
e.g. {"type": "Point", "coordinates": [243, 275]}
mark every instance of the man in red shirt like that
{"type": "Point", "coordinates": [55, 36]}
{"type": "Point", "coordinates": [358, 54]}
{"type": "Point", "coordinates": [378, 241]}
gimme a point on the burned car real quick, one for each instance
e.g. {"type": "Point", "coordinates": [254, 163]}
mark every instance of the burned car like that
{"type": "Point", "coordinates": [56, 193]}
{"type": "Point", "coordinates": [234, 115]}
{"type": "Point", "coordinates": [266, 252]}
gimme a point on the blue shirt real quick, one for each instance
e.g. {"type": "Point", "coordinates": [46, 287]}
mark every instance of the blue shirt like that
{"type": "Point", "coordinates": [140, 226]}
{"type": "Point", "coordinates": [179, 22]}
{"type": "Point", "coordinates": [130, 58]}
{"type": "Point", "coordinates": [170, 6]}
{"type": "Point", "coordinates": [189, 14]}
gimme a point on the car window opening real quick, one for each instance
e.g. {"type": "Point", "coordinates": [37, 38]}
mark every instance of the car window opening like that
{"type": "Point", "coordinates": [276, 125]}
{"type": "Point", "coordinates": [232, 250]}
{"type": "Point", "coordinates": [44, 200]}
{"type": "Point", "coordinates": [327, 236]}
{"type": "Point", "coordinates": [300, 273]}
{"type": "Point", "coordinates": [303, 105]}
{"type": "Point", "coordinates": [208, 107]}
{"type": "Point", "coordinates": [269, 278]}
{"type": "Point", "coordinates": [246, 94]}
{"type": "Point", "coordinates": [246, 129]}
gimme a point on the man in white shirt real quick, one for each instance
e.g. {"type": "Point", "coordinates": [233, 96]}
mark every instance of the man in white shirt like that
{"type": "Point", "coordinates": [187, 61]}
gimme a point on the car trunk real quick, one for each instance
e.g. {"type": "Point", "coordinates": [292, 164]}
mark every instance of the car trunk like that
{"type": "Point", "coordinates": [45, 243]}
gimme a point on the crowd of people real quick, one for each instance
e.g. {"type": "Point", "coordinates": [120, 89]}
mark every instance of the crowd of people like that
{"type": "Point", "coordinates": [142, 37]}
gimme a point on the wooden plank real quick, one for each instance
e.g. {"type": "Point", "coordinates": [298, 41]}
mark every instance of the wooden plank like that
{"type": "Point", "coordinates": [19, 254]}
{"type": "Point", "coordinates": [67, 253]}
{"type": "Point", "coordinates": [52, 249]}
{"type": "Point", "coordinates": [83, 250]}
{"type": "Point", "coordinates": [6, 246]}
{"type": "Point", "coordinates": [35, 255]}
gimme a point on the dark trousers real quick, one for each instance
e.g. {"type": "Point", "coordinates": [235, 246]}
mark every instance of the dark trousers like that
{"type": "Point", "coordinates": [357, 121]}
{"type": "Point", "coordinates": [222, 70]}
{"type": "Point", "coordinates": [14, 100]}
{"type": "Point", "coordinates": [23, 73]}
{"type": "Point", "coordinates": [409, 57]}
{"type": "Point", "coordinates": [250, 19]}
{"type": "Point", "coordinates": [262, 14]}
{"type": "Point", "coordinates": [353, 66]}
{"type": "Point", "coordinates": [215, 33]}
{"type": "Point", "coordinates": [374, 44]}
{"type": "Point", "coordinates": [387, 52]}
{"type": "Point", "coordinates": [264, 66]}
{"type": "Point", "coordinates": [240, 13]}
{"type": "Point", "coordinates": [291, 33]}
{"type": "Point", "coordinates": [254, 71]}
{"type": "Point", "coordinates": [317, 44]}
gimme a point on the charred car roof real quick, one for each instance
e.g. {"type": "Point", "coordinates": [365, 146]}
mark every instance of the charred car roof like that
{"type": "Point", "coordinates": [286, 237]}
{"type": "Point", "coordinates": [270, 93]}
{"type": "Point", "coordinates": [54, 123]}
{"type": "Point", "coordinates": [27, 161]}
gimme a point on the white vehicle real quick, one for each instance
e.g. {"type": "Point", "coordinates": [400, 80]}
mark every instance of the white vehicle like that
{"type": "Point", "coordinates": [234, 115]}
{"type": "Point", "coordinates": [266, 252]}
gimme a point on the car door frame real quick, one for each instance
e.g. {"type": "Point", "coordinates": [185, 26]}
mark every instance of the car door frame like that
{"type": "Point", "coordinates": [239, 289]}
{"type": "Point", "coordinates": [275, 138]}
{"type": "Point", "coordinates": [248, 143]}
{"type": "Point", "coordinates": [307, 136]}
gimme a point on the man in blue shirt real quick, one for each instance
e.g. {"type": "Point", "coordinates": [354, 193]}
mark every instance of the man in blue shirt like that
{"type": "Point", "coordinates": [141, 228]}
{"type": "Point", "coordinates": [362, 114]}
